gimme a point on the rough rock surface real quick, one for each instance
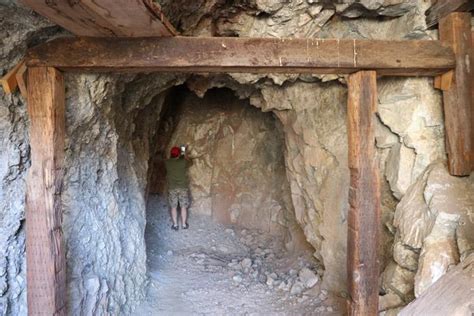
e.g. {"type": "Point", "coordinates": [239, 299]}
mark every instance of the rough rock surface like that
{"type": "Point", "coordinates": [111, 122]}
{"type": "Point", "coordinates": [434, 230]}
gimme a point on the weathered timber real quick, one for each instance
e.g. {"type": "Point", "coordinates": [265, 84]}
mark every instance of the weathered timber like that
{"type": "Point", "coordinates": [455, 30]}
{"type": "Point", "coordinates": [441, 9]}
{"type": "Point", "coordinates": [45, 254]}
{"type": "Point", "coordinates": [254, 55]}
{"type": "Point", "coordinates": [364, 196]}
{"type": "Point", "coordinates": [444, 81]}
{"type": "Point", "coordinates": [9, 82]}
{"type": "Point", "coordinates": [101, 18]}
{"type": "Point", "coordinates": [21, 79]}
{"type": "Point", "coordinates": [452, 294]}
{"type": "Point", "coordinates": [156, 10]}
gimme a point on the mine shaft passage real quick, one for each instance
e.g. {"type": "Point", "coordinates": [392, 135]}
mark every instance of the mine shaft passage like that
{"type": "Point", "coordinates": [243, 250]}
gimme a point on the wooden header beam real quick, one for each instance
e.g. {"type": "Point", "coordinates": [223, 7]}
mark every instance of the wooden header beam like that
{"type": "Point", "coordinates": [250, 55]}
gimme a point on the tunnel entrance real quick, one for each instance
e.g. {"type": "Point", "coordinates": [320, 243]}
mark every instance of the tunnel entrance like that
{"type": "Point", "coordinates": [244, 251]}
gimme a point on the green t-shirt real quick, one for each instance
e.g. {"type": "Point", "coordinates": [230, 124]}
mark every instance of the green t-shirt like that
{"type": "Point", "coordinates": [176, 173]}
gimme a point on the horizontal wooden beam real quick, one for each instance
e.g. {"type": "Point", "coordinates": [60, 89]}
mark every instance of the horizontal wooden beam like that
{"type": "Point", "coordinates": [442, 8]}
{"type": "Point", "coordinates": [251, 55]}
{"type": "Point", "coordinates": [101, 18]}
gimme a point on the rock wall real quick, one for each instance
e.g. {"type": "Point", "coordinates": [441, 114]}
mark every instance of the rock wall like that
{"type": "Point", "coordinates": [111, 123]}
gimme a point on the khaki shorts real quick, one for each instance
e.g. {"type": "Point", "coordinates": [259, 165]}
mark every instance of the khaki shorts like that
{"type": "Point", "coordinates": [178, 195]}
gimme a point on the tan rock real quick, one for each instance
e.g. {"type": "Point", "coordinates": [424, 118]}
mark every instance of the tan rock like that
{"type": "Point", "coordinates": [396, 279]}
{"type": "Point", "coordinates": [413, 218]}
{"type": "Point", "coordinates": [439, 252]}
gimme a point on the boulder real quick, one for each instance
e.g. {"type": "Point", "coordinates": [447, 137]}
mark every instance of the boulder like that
{"type": "Point", "coordinates": [439, 252]}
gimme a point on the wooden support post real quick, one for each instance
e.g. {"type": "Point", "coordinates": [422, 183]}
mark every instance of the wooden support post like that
{"type": "Point", "coordinates": [46, 263]}
{"type": "Point", "coordinates": [364, 196]}
{"type": "Point", "coordinates": [455, 31]}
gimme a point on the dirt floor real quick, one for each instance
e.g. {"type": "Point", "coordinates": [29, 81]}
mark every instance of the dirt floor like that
{"type": "Point", "coordinates": [211, 269]}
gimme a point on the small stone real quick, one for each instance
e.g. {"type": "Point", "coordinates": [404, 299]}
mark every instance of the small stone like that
{"type": "Point", "coordinates": [246, 263]}
{"type": "Point", "coordinates": [308, 277]}
{"type": "Point", "coordinates": [297, 288]}
{"type": "Point", "coordinates": [169, 253]}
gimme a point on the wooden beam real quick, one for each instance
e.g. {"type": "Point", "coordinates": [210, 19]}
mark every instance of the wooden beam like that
{"type": "Point", "coordinates": [102, 17]}
{"type": "Point", "coordinates": [21, 79]}
{"type": "Point", "coordinates": [9, 82]}
{"type": "Point", "coordinates": [455, 30]}
{"type": "Point", "coordinates": [364, 196]}
{"type": "Point", "coordinates": [452, 294]}
{"type": "Point", "coordinates": [230, 54]}
{"type": "Point", "coordinates": [45, 254]}
{"type": "Point", "coordinates": [442, 8]}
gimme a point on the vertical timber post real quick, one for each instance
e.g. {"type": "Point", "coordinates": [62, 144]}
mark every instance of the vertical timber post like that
{"type": "Point", "coordinates": [45, 255]}
{"type": "Point", "coordinates": [364, 196]}
{"type": "Point", "coordinates": [455, 31]}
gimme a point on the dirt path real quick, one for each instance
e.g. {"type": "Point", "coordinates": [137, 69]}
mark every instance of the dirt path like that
{"type": "Point", "coordinates": [211, 269]}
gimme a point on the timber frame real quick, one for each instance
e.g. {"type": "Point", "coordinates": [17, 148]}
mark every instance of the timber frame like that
{"type": "Point", "coordinates": [363, 61]}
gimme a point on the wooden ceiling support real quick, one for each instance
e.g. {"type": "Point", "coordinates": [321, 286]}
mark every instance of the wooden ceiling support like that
{"type": "Point", "coordinates": [101, 18]}
{"type": "Point", "coordinates": [45, 254]}
{"type": "Point", "coordinates": [364, 220]}
{"type": "Point", "coordinates": [455, 30]}
{"type": "Point", "coordinates": [442, 8]}
{"type": "Point", "coordinates": [249, 55]}
{"type": "Point", "coordinates": [9, 81]}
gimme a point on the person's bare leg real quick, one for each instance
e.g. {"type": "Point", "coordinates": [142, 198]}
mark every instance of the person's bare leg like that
{"type": "Point", "coordinates": [184, 216]}
{"type": "Point", "coordinates": [174, 216]}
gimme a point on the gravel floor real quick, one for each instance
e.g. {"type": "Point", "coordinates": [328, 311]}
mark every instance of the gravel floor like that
{"type": "Point", "coordinates": [212, 269]}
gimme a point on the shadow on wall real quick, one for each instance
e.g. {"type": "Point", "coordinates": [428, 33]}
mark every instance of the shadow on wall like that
{"type": "Point", "coordinates": [238, 174]}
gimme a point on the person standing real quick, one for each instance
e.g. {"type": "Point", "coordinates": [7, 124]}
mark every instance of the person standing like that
{"type": "Point", "coordinates": [177, 179]}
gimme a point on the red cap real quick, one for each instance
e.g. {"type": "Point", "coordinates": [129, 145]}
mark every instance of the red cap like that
{"type": "Point", "coordinates": [175, 151]}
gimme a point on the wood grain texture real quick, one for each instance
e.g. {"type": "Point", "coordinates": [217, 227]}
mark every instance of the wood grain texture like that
{"type": "Point", "coordinates": [99, 18]}
{"type": "Point", "coordinates": [45, 254]}
{"type": "Point", "coordinates": [442, 8]}
{"type": "Point", "coordinates": [364, 196]}
{"type": "Point", "coordinates": [9, 82]}
{"type": "Point", "coordinates": [455, 30]}
{"type": "Point", "coordinates": [21, 79]}
{"type": "Point", "coordinates": [452, 294]}
{"type": "Point", "coordinates": [230, 54]}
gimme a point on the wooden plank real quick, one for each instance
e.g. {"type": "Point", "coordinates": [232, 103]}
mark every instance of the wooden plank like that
{"type": "Point", "coordinates": [452, 294]}
{"type": "Point", "coordinates": [9, 82]}
{"type": "Point", "coordinates": [444, 81]}
{"type": "Point", "coordinates": [443, 8]}
{"type": "Point", "coordinates": [21, 79]}
{"type": "Point", "coordinates": [102, 17]}
{"type": "Point", "coordinates": [364, 196]}
{"type": "Point", "coordinates": [156, 10]}
{"type": "Point", "coordinates": [455, 30]}
{"type": "Point", "coordinates": [45, 254]}
{"type": "Point", "coordinates": [231, 54]}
